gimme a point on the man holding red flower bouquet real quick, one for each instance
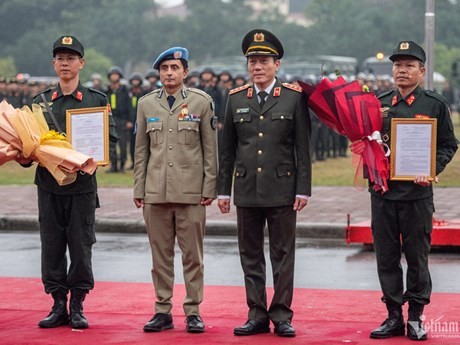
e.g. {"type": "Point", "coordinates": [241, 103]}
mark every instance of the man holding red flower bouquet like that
{"type": "Point", "coordinates": [402, 216]}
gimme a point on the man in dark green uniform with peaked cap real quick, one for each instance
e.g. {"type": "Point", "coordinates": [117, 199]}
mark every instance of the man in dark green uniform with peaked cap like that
{"type": "Point", "coordinates": [266, 150]}
{"type": "Point", "coordinates": [67, 213]}
{"type": "Point", "coordinates": [402, 217]}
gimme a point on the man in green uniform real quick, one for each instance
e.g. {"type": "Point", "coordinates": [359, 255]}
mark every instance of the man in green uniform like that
{"type": "Point", "coordinates": [265, 149]}
{"type": "Point", "coordinates": [175, 172]}
{"type": "Point", "coordinates": [402, 216]}
{"type": "Point", "coordinates": [118, 94]}
{"type": "Point", "coordinates": [67, 213]}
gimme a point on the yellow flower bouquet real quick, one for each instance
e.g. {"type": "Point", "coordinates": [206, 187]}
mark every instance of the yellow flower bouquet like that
{"type": "Point", "coordinates": [25, 132]}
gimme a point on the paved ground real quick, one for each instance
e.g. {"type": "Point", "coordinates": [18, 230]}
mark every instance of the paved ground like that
{"type": "Point", "coordinates": [326, 211]}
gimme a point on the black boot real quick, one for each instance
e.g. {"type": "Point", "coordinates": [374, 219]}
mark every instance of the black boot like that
{"type": "Point", "coordinates": [113, 168]}
{"type": "Point", "coordinates": [77, 319]}
{"type": "Point", "coordinates": [415, 330]}
{"type": "Point", "coordinates": [58, 315]}
{"type": "Point", "coordinates": [392, 326]}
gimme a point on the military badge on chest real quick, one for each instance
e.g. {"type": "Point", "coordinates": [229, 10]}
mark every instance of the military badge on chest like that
{"type": "Point", "coordinates": [186, 116]}
{"type": "Point", "coordinates": [43, 106]}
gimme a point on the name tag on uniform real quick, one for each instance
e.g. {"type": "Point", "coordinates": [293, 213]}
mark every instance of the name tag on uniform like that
{"type": "Point", "coordinates": [242, 110]}
{"type": "Point", "coordinates": [153, 119]}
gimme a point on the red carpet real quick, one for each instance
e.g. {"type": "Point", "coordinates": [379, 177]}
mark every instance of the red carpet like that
{"type": "Point", "coordinates": [118, 311]}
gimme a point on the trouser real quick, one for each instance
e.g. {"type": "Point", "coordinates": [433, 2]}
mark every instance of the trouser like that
{"type": "Point", "coordinates": [403, 225]}
{"type": "Point", "coordinates": [281, 223]}
{"type": "Point", "coordinates": [123, 139]}
{"type": "Point", "coordinates": [67, 221]}
{"type": "Point", "coordinates": [164, 223]}
{"type": "Point", "coordinates": [132, 145]}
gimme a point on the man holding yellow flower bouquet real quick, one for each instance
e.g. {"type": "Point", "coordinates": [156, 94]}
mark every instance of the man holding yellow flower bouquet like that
{"type": "Point", "coordinates": [67, 213]}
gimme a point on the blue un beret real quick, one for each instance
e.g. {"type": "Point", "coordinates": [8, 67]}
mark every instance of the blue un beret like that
{"type": "Point", "coordinates": [174, 53]}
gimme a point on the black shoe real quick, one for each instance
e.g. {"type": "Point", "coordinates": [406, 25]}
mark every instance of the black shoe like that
{"type": "Point", "coordinates": [284, 329]}
{"type": "Point", "coordinates": [58, 315]}
{"type": "Point", "coordinates": [252, 327]}
{"type": "Point", "coordinates": [415, 330]}
{"type": "Point", "coordinates": [391, 327]}
{"type": "Point", "coordinates": [159, 322]}
{"type": "Point", "coordinates": [194, 324]}
{"type": "Point", "coordinates": [112, 170]}
{"type": "Point", "coordinates": [77, 319]}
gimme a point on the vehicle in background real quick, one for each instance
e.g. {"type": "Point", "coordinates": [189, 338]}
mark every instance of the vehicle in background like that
{"type": "Point", "coordinates": [313, 67]}
{"type": "Point", "coordinates": [378, 66]}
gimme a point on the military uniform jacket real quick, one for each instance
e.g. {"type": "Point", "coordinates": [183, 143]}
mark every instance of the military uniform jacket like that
{"type": "Point", "coordinates": [82, 97]}
{"type": "Point", "coordinates": [119, 102]}
{"type": "Point", "coordinates": [175, 155]}
{"type": "Point", "coordinates": [419, 104]}
{"type": "Point", "coordinates": [266, 151]}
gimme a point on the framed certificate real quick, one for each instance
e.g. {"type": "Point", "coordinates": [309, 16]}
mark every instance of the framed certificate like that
{"type": "Point", "coordinates": [88, 132]}
{"type": "Point", "coordinates": [413, 149]}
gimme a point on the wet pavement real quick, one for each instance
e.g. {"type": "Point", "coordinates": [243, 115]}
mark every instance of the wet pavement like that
{"type": "Point", "coordinates": [321, 263]}
{"type": "Point", "coordinates": [122, 252]}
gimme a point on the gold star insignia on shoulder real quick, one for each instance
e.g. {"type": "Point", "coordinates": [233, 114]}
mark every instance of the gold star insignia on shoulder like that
{"type": "Point", "coordinates": [238, 89]}
{"type": "Point", "coordinates": [293, 87]}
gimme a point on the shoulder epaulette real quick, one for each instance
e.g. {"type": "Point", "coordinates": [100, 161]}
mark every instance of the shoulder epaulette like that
{"type": "Point", "coordinates": [293, 87]}
{"type": "Point", "coordinates": [97, 91]}
{"type": "Point", "coordinates": [149, 93]}
{"type": "Point", "coordinates": [436, 95]}
{"type": "Point", "coordinates": [45, 91]}
{"type": "Point", "coordinates": [384, 94]}
{"type": "Point", "coordinates": [198, 91]}
{"type": "Point", "coordinates": [238, 89]}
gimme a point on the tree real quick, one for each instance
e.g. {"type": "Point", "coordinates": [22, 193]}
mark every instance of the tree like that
{"type": "Point", "coordinates": [95, 62]}
{"type": "Point", "coordinates": [7, 67]}
{"type": "Point", "coordinates": [130, 34]}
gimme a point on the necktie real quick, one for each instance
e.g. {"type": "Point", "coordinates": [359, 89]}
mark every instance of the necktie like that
{"type": "Point", "coordinates": [262, 95]}
{"type": "Point", "coordinates": [171, 100]}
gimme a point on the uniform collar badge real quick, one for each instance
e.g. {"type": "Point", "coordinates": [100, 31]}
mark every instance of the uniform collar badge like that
{"type": "Point", "coordinates": [410, 99]}
{"type": "Point", "coordinates": [54, 95]}
{"type": "Point", "coordinates": [79, 95]}
{"type": "Point", "coordinates": [394, 100]}
{"type": "Point", "coordinates": [276, 92]}
{"type": "Point", "coordinates": [250, 91]}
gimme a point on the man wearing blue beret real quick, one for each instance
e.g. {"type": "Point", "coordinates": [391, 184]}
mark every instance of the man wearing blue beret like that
{"type": "Point", "coordinates": [175, 174]}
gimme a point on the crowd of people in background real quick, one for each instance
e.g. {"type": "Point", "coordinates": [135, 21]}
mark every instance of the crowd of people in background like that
{"type": "Point", "coordinates": [123, 94]}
